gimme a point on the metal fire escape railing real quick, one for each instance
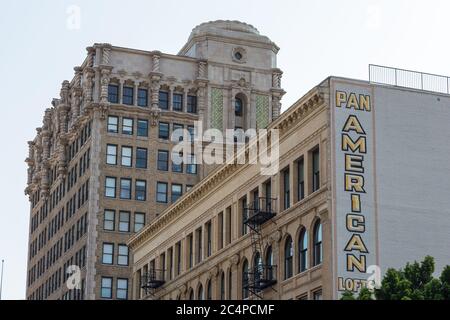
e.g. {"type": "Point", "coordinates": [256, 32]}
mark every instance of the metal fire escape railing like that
{"type": "Point", "coordinates": [152, 280]}
{"type": "Point", "coordinates": [260, 276]}
{"type": "Point", "coordinates": [409, 79]}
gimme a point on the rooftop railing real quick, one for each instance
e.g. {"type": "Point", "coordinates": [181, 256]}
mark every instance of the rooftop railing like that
{"type": "Point", "coordinates": [409, 79]}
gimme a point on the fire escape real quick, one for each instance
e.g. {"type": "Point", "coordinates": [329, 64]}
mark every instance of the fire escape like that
{"type": "Point", "coordinates": [152, 280]}
{"type": "Point", "coordinates": [260, 276]}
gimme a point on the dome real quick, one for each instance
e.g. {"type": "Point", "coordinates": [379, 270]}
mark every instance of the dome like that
{"type": "Point", "coordinates": [226, 25]}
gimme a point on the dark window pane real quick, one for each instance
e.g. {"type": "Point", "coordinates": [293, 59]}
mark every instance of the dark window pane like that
{"type": "Point", "coordinates": [192, 104]}
{"type": "Point", "coordinates": [163, 130]}
{"type": "Point", "coordinates": [128, 97]}
{"type": "Point", "coordinates": [163, 160]}
{"type": "Point", "coordinates": [142, 128]}
{"type": "Point", "coordinates": [113, 93]}
{"type": "Point", "coordinates": [163, 100]}
{"type": "Point", "coordinates": [177, 102]}
{"type": "Point", "coordinates": [238, 107]}
{"type": "Point", "coordinates": [141, 158]}
{"type": "Point", "coordinates": [142, 97]}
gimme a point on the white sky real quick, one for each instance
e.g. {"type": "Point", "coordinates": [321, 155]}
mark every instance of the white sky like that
{"type": "Point", "coordinates": [317, 39]}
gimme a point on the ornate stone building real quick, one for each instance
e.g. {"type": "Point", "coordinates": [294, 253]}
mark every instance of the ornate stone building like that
{"type": "Point", "coordinates": [99, 168]}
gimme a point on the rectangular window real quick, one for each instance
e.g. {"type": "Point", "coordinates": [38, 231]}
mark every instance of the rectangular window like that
{"type": "Point", "coordinates": [177, 133]}
{"type": "Point", "coordinates": [191, 166]}
{"type": "Point", "coordinates": [113, 93]}
{"type": "Point", "coordinates": [177, 102]}
{"type": "Point", "coordinates": [142, 128]}
{"type": "Point", "coordinates": [300, 179]}
{"type": "Point", "coordinates": [110, 187]}
{"type": "Point", "coordinates": [113, 124]}
{"type": "Point", "coordinates": [141, 190]}
{"type": "Point", "coordinates": [286, 189]}
{"type": "Point", "coordinates": [163, 160]}
{"type": "Point", "coordinates": [243, 209]}
{"type": "Point", "coordinates": [220, 231]}
{"type": "Point", "coordinates": [229, 225]}
{"type": "Point", "coordinates": [127, 126]}
{"type": "Point", "coordinates": [106, 289]}
{"type": "Point", "coordinates": [315, 170]}
{"type": "Point", "coordinates": [124, 221]}
{"type": "Point", "coordinates": [163, 132]}
{"type": "Point", "coordinates": [191, 130]}
{"type": "Point", "coordinates": [199, 240]}
{"type": "Point", "coordinates": [170, 256]}
{"type": "Point", "coordinates": [125, 188]}
{"type": "Point", "coordinates": [108, 253]}
{"type": "Point", "coordinates": [164, 100]}
{"type": "Point", "coordinates": [192, 104]}
{"type": "Point", "coordinates": [122, 256]}
{"type": "Point", "coordinates": [128, 95]}
{"type": "Point", "coordinates": [109, 220]}
{"type": "Point", "coordinates": [177, 192]}
{"type": "Point", "coordinates": [178, 257]}
{"type": "Point", "coordinates": [142, 97]}
{"type": "Point", "coordinates": [122, 289]}
{"type": "Point", "coordinates": [177, 167]}
{"type": "Point", "coordinates": [127, 156]}
{"type": "Point", "coordinates": [111, 154]}
{"type": "Point", "coordinates": [161, 192]}
{"type": "Point", "coordinates": [139, 221]}
{"type": "Point", "coordinates": [190, 240]}
{"type": "Point", "coordinates": [141, 158]}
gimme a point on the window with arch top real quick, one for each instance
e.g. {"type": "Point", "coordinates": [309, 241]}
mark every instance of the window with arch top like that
{"type": "Point", "coordinates": [318, 249]}
{"type": "Point", "coordinates": [288, 258]}
{"type": "Point", "coordinates": [238, 107]}
{"type": "Point", "coordinates": [303, 251]}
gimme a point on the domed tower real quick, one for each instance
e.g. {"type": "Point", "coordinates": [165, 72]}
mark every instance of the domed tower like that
{"type": "Point", "coordinates": [240, 73]}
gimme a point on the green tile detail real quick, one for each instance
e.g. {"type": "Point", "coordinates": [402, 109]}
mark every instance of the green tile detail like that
{"type": "Point", "coordinates": [217, 108]}
{"type": "Point", "coordinates": [262, 111]}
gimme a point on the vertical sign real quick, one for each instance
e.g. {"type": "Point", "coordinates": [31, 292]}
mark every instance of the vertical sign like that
{"type": "Point", "coordinates": [354, 206]}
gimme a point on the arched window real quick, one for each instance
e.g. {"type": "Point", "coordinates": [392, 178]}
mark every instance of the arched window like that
{"type": "Point", "coordinates": [222, 286]}
{"type": "Point", "coordinates": [208, 291]}
{"type": "Point", "coordinates": [230, 284]}
{"type": "Point", "coordinates": [257, 267]}
{"type": "Point", "coordinates": [191, 294]}
{"type": "Point", "coordinates": [245, 280]}
{"type": "Point", "coordinates": [200, 292]}
{"type": "Point", "coordinates": [269, 263]}
{"type": "Point", "coordinates": [288, 255]}
{"type": "Point", "coordinates": [317, 235]}
{"type": "Point", "coordinates": [238, 107]}
{"type": "Point", "coordinates": [303, 251]}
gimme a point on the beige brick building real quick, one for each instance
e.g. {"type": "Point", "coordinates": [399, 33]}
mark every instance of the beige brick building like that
{"type": "Point", "coordinates": [100, 168]}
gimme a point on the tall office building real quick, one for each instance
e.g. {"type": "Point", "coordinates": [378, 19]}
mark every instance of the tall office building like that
{"type": "Point", "coordinates": [100, 169]}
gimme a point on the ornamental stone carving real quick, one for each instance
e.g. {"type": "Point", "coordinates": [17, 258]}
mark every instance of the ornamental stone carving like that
{"type": "Point", "coordinates": [235, 259]}
{"type": "Point", "coordinates": [156, 56]}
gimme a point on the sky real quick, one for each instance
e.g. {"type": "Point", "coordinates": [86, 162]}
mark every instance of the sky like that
{"type": "Point", "coordinates": [41, 42]}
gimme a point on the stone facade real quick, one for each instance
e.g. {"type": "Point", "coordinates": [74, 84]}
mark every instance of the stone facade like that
{"type": "Point", "coordinates": [119, 99]}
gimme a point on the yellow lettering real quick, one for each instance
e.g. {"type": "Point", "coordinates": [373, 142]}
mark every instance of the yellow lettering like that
{"type": "Point", "coordinates": [353, 262]}
{"type": "Point", "coordinates": [355, 146]}
{"type": "Point", "coordinates": [356, 223]}
{"type": "Point", "coordinates": [352, 102]}
{"type": "Point", "coordinates": [356, 203]}
{"type": "Point", "coordinates": [353, 124]}
{"type": "Point", "coordinates": [356, 243]}
{"type": "Point", "coordinates": [354, 183]}
{"type": "Point", "coordinates": [364, 103]}
{"type": "Point", "coordinates": [341, 97]}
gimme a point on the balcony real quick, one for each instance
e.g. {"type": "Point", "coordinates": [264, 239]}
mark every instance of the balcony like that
{"type": "Point", "coordinates": [153, 279]}
{"type": "Point", "coordinates": [260, 211]}
{"type": "Point", "coordinates": [261, 278]}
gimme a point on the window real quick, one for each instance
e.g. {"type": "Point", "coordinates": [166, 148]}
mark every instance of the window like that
{"type": "Point", "coordinates": [286, 189]}
{"type": "Point", "coordinates": [127, 126]}
{"type": "Point", "coordinates": [230, 284]}
{"type": "Point", "coordinates": [200, 292]}
{"type": "Point", "coordinates": [164, 100]}
{"type": "Point", "coordinates": [142, 128]}
{"type": "Point", "coordinates": [113, 93]}
{"type": "Point", "coordinates": [124, 221]}
{"type": "Point", "coordinates": [300, 179]}
{"type": "Point", "coordinates": [139, 221]}
{"type": "Point", "coordinates": [170, 255]}
{"type": "Point", "coordinates": [122, 289]}
{"type": "Point", "coordinates": [317, 295]}
{"type": "Point", "coordinates": [191, 250]}
{"type": "Point", "coordinates": [315, 170]}
{"type": "Point", "coordinates": [141, 158]}
{"type": "Point", "coordinates": [269, 263]}
{"type": "Point", "coordinates": [111, 154]}
{"type": "Point", "coordinates": [177, 102]}
{"type": "Point", "coordinates": [109, 220]}
{"type": "Point", "coordinates": [141, 190]}
{"type": "Point", "coordinates": [163, 160]}
{"type": "Point", "coordinates": [177, 133]}
{"type": "Point", "coordinates": [142, 97]}
{"type": "Point", "coordinates": [243, 209]}
{"type": "Point", "coordinates": [113, 124]}
{"type": "Point", "coordinates": [317, 236]}
{"type": "Point", "coordinates": [106, 290]}
{"type": "Point", "coordinates": [125, 188]}
{"type": "Point", "coordinates": [208, 238]}
{"type": "Point", "coordinates": [122, 257]}
{"type": "Point", "coordinates": [191, 294]}
{"type": "Point", "coordinates": [177, 167]}
{"type": "Point", "coordinates": [163, 131]}
{"type": "Point", "coordinates": [178, 257]}
{"type": "Point", "coordinates": [303, 251]}
{"type": "Point", "coordinates": [199, 240]}
{"type": "Point", "coordinates": [127, 156]}
{"type": "Point", "coordinates": [191, 166]}
{"type": "Point", "coordinates": [209, 290]}
{"type": "Point", "coordinates": [245, 280]}
{"type": "Point", "coordinates": [288, 255]}
{"type": "Point", "coordinates": [192, 104]}
{"type": "Point", "coordinates": [161, 192]}
{"type": "Point", "coordinates": [191, 130]}
{"type": "Point", "coordinates": [110, 187]}
{"type": "Point", "coordinates": [222, 286]}
{"type": "Point", "coordinates": [177, 192]}
{"type": "Point", "coordinates": [127, 96]}
{"type": "Point", "coordinates": [108, 253]}
{"type": "Point", "coordinates": [238, 107]}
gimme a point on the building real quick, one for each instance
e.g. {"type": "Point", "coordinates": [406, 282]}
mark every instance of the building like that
{"type": "Point", "coordinates": [362, 186]}
{"type": "Point", "coordinates": [99, 168]}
